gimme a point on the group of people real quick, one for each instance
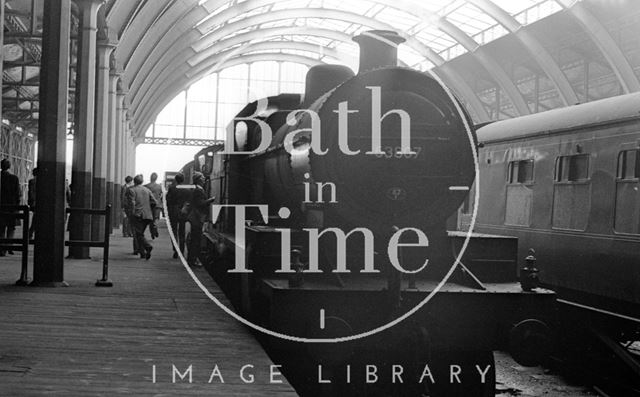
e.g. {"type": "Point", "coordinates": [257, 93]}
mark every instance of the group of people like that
{"type": "Point", "coordinates": [142, 205]}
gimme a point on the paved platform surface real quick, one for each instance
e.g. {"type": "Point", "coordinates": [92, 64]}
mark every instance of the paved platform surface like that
{"type": "Point", "coordinates": [83, 341]}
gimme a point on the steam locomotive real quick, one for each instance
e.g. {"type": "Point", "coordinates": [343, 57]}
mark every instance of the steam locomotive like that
{"type": "Point", "coordinates": [566, 183]}
{"type": "Point", "coordinates": [359, 181]}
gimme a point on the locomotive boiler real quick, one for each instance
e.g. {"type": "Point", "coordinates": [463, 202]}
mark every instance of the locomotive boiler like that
{"type": "Point", "coordinates": [330, 223]}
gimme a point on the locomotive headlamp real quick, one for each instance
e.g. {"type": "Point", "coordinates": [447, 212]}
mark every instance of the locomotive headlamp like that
{"type": "Point", "coordinates": [529, 273]}
{"type": "Point", "coordinates": [296, 279]}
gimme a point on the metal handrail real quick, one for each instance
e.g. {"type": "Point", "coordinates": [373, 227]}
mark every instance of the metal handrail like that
{"type": "Point", "coordinates": [104, 282]}
{"type": "Point", "coordinates": [18, 244]}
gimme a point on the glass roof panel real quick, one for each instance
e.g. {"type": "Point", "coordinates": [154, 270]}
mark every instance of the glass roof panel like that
{"type": "Point", "coordinates": [478, 25]}
{"type": "Point", "coordinates": [436, 38]}
{"type": "Point", "coordinates": [515, 6]}
{"type": "Point", "coordinates": [397, 18]}
{"type": "Point", "coordinates": [471, 20]}
{"type": "Point", "coordinates": [539, 11]}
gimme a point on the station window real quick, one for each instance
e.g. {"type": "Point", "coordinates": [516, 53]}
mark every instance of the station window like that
{"type": "Point", "coordinates": [628, 164]}
{"type": "Point", "coordinates": [520, 171]}
{"type": "Point", "coordinates": [573, 168]}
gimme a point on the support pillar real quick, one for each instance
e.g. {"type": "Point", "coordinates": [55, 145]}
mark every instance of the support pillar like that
{"type": "Point", "coordinates": [132, 146]}
{"type": "Point", "coordinates": [101, 190]}
{"type": "Point", "coordinates": [1, 46]}
{"type": "Point", "coordinates": [48, 268]}
{"type": "Point", "coordinates": [81, 175]}
{"type": "Point", "coordinates": [120, 150]}
{"type": "Point", "coordinates": [127, 142]}
{"type": "Point", "coordinates": [113, 174]}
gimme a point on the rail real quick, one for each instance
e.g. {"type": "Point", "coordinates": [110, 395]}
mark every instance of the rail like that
{"type": "Point", "coordinates": [104, 282]}
{"type": "Point", "coordinates": [18, 244]}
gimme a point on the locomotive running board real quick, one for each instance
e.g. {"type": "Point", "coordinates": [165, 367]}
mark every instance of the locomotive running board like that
{"type": "Point", "coordinates": [601, 311]}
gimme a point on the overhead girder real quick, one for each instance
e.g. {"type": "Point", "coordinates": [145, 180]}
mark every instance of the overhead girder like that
{"type": "Point", "coordinates": [274, 46]}
{"type": "Point", "coordinates": [139, 88]}
{"type": "Point", "coordinates": [220, 61]}
{"type": "Point", "coordinates": [163, 41]}
{"type": "Point", "coordinates": [145, 35]}
{"type": "Point", "coordinates": [161, 38]}
{"type": "Point", "coordinates": [145, 16]}
{"type": "Point", "coordinates": [161, 98]}
{"type": "Point", "coordinates": [161, 59]}
{"type": "Point", "coordinates": [134, 12]}
{"type": "Point", "coordinates": [490, 65]}
{"type": "Point", "coordinates": [297, 13]}
{"type": "Point", "coordinates": [157, 45]}
{"type": "Point", "coordinates": [219, 34]}
{"type": "Point", "coordinates": [456, 84]}
{"type": "Point", "coordinates": [160, 101]}
{"type": "Point", "coordinates": [266, 46]}
{"type": "Point", "coordinates": [605, 43]}
{"type": "Point", "coordinates": [201, 11]}
{"type": "Point", "coordinates": [548, 65]}
{"type": "Point", "coordinates": [263, 33]}
{"type": "Point", "coordinates": [180, 67]}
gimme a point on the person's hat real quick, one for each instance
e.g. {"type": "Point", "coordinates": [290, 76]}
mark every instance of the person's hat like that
{"type": "Point", "coordinates": [197, 176]}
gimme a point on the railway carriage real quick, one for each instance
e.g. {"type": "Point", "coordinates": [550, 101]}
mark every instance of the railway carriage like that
{"type": "Point", "coordinates": [566, 183]}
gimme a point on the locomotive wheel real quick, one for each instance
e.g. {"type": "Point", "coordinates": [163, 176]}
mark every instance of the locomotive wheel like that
{"type": "Point", "coordinates": [530, 342]}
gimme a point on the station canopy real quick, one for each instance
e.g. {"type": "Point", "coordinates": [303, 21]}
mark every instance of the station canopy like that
{"type": "Point", "coordinates": [503, 58]}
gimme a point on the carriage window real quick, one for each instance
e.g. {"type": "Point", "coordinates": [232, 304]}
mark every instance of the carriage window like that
{"type": "Point", "coordinates": [628, 164]}
{"type": "Point", "coordinates": [520, 171]}
{"type": "Point", "coordinates": [572, 168]}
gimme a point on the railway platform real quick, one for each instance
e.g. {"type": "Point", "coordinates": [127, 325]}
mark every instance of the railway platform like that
{"type": "Point", "coordinates": [154, 322]}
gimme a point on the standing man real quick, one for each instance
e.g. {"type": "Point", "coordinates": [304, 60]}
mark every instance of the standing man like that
{"type": "Point", "coordinates": [156, 189]}
{"type": "Point", "coordinates": [177, 196]}
{"type": "Point", "coordinates": [127, 228]}
{"type": "Point", "coordinates": [139, 205]}
{"type": "Point", "coordinates": [9, 195]}
{"type": "Point", "coordinates": [199, 210]}
{"type": "Point", "coordinates": [67, 202]}
{"type": "Point", "coordinates": [31, 201]}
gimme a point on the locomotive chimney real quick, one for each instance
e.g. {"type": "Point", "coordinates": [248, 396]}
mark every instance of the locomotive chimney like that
{"type": "Point", "coordinates": [323, 78]}
{"type": "Point", "coordinates": [378, 48]}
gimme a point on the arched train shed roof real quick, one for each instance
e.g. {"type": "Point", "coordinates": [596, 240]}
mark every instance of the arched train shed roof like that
{"type": "Point", "coordinates": [503, 58]}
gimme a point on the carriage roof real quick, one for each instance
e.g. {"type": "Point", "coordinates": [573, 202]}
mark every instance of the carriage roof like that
{"type": "Point", "coordinates": [610, 110]}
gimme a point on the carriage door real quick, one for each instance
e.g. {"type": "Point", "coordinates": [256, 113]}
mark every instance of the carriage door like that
{"type": "Point", "coordinates": [627, 218]}
{"type": "Point", "coordinates": [519, 193]}
{"type": "Point", "coordinates": [571, 192]}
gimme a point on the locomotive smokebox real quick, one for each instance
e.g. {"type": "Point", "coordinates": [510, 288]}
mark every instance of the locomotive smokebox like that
{"type": "Point", "coordinates": [378, 49]}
